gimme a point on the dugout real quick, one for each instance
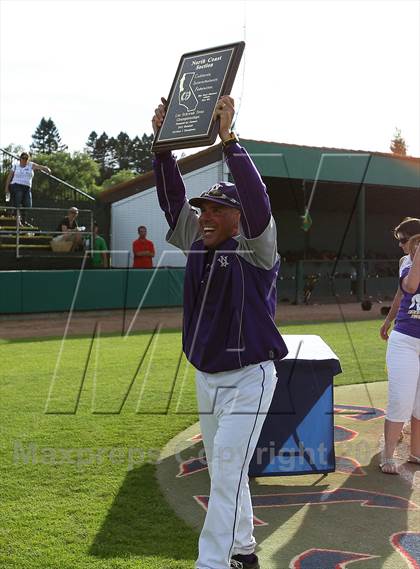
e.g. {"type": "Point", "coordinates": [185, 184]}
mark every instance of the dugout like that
{"type": "Point", "coordinates": [359, 197]}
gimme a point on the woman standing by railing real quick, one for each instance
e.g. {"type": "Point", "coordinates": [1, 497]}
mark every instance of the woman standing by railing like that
{"type": "Point", "coordinates": [19, 183]}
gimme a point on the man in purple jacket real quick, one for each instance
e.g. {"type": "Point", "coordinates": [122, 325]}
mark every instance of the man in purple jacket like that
{"type": "Point", "coordinates": [229, 334]}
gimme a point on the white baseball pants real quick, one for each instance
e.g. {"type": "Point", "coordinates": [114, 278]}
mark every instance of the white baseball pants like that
{"type": "Point", "coordinates": [233, 407]}
{"type": "Point", "coordinates": [403, 363]}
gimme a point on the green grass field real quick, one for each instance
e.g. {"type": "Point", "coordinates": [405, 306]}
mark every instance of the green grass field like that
{"type": "Point", "coordinates": [79, 442]}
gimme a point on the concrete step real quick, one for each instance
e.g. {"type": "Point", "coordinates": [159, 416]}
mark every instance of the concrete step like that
{"type": "Point", "coordinates": [28, 235]}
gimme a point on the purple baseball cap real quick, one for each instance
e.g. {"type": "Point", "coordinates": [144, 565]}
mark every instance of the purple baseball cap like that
{"type": "Point", "coordinates": [223, 193]}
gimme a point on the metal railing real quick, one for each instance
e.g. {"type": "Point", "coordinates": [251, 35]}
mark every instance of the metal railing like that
{"type": "Point", "coordinates": [315, 280]}
{"type": "Point", "coordinates": [48, 218]}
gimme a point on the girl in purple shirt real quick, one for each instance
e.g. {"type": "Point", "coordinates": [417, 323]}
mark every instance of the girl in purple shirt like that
{"type": "Point", "coordinates": [403, 363]}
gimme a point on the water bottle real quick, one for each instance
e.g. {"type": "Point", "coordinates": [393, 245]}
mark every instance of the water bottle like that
{"type": "Point", "coordinates": [7, 197]}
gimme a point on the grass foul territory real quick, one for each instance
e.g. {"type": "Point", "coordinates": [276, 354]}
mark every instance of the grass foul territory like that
{"type": "Point", "coordinates": [82, 425]}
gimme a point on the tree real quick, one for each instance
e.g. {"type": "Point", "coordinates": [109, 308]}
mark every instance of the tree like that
{"type": "Point", "coordinates": [118, 178]}
{"type": "Point", "coordinates": [141, 154]}
{"type": "Point", "coordinates": [46, 138]}
{"type": "Point", "coordinates": [122, 150]}
{"type": "Point", "coordinates": [98, 149]}
{"type": "Point", "coordinates": [77, 169]}
{"type": "Point", "coordinates": [7, 160]}
{"type": "Point", "coordinates": [121, 153]}
{"type": "Point", "coordinates": [103, 155]}
{"type": "Point", "coordinates": [398, 144]}
{"type": "Point", "coordinates": [91, 142]}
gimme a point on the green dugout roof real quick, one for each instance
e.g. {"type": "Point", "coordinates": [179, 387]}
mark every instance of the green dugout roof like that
{"type": "Point", "coordinates": [278, 160]}
{"type": "Point", "coordinates": [333, 164]}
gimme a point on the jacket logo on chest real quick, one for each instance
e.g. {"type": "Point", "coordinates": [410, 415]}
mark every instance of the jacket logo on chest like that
{"type": "Point", "coordinates": [223, 260]}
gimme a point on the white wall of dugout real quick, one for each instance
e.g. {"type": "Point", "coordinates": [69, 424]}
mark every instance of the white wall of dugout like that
{"type": "Point", "coordinates": [143, 209]}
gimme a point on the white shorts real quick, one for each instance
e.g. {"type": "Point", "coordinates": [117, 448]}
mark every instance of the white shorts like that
{"type": "Point", "coordinates": [403, 363]}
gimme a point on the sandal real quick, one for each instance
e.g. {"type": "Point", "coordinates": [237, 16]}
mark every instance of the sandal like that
{"type": "Point", "coordinates": [389, 466]}
{"type": "Point", "coordinates": [413, 459]}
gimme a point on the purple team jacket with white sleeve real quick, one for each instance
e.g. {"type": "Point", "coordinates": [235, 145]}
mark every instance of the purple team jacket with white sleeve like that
{"type": "Point", "coordinates": [230, 292]}
{"type": "Point", "coordinates": [408, 317]}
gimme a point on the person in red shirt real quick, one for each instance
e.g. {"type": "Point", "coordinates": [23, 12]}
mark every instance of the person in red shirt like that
{"type": "Point", "coordinates": [143, 250]}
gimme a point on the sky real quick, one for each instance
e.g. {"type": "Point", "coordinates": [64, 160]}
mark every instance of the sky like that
{"type": "Point", "coordinates": [331, 73]}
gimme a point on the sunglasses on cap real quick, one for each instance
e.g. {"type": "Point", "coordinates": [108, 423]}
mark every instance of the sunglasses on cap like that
{"type": "Point", "coordinates": [217, 193]}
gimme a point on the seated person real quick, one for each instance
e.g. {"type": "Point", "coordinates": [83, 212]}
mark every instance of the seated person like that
{"type": "Point", "coordinates": [69, 239]}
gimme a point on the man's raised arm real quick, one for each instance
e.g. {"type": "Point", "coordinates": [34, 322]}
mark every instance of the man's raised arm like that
{"type": "Point", "coordinates": [169, 183]}
{"type": "Point", "coordinates": [170, 187]}
{"type": "Point", "coordinates": [256, 210]}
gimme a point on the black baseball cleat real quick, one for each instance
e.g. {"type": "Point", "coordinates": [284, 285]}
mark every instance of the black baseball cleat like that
{"type": "Point", "coordinates": [244, 562]}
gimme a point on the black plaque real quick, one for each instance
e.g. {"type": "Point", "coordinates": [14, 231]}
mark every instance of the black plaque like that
{"type": "Point", "coordinates": [201, 79]}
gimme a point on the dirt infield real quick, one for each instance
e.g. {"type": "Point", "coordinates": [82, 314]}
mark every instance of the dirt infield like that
{"type": "Point", "coordinates": [54, 324]}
